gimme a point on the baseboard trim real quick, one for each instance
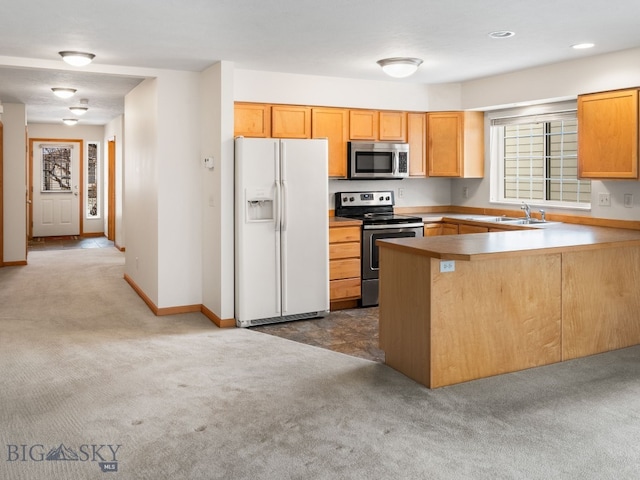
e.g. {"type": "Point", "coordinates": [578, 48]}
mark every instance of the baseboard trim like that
{"type": "Point", "coordinates": [227, 323]}
{"type": "Point", "coordinates": [159, 312]}
{"type": "Point", "coordinates": [18, 263]}
{"type": "Point", "coordinates": [92, 234]}
{"type": "Point", "coordinates": [141, 294]}
{"type": "Point", "coordinates": [122, 249]}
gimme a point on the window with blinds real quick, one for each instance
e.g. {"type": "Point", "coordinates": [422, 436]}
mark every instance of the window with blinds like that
{"type": "Point", "coordinates": [538, 159]}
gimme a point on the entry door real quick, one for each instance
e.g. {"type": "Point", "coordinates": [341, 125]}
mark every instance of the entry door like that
{"type": "Point", "coordinates": [56, 199]}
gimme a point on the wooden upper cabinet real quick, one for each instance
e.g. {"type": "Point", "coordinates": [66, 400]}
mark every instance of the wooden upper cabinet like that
{"type": "Point", "coordinates": [393, 126]}
{"type": "Point", "coordinates": [333, 123]}
{"type": "Point", "coordinates": [252, 120]}
{"type": "Point", "coordinates": [290, 121]}
{"type": "Point", "coordinates": [417, 139]}
{"type": "Point", "coordinates": [455, 144]}
{"type": "Point", "coordinates": [363, 124]}
{"type": "Point", "coordinates": [608, 135]}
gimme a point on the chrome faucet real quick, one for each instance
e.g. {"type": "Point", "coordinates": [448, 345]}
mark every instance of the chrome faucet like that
{"type": "Point", "coordinates": [527, 210]}
{"type": "Point", "coordinates": [542, 215]}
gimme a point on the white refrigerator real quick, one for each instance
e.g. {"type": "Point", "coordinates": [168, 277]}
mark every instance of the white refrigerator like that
{"type": "Point", "coordinates": [281, 230]}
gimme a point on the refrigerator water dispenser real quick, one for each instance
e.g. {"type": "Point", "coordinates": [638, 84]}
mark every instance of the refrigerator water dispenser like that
{"type": "Point", "coordinates": [259, 210]}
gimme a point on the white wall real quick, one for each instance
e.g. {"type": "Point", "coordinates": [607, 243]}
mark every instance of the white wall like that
{"type": "Point", "coordinates": [115, 129]}
{"type": "Point", "coordinates": [141, 187]}
{"type": "Point", "coordinates": [163, 214]}
{"type": "Point", "coordinates": [179, 172]}
{"type": "Point", "coordinates": [216, 87]}
{"type": "Point", "coordinates": [555, 82]}
{"type": "Point", "coordinates": [87, 133]}
{"type": "Point", "coordinates": [14, 120]}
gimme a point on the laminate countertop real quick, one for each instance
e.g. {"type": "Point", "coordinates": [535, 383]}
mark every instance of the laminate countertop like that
{"type": "Point", "coordinates": [482, 246]}
{"type": "Point", "coordinates": [343, 222]}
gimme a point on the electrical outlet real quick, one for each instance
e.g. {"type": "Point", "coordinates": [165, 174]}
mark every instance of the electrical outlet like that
{"type": "Point", "coordinates": [400, 192]}
{"type": "Point", "coordinates": [604, 199]}
{"type": "Point", "coordinates": [447, 266]}
{"type": "Point", "coordinates": [465, 192]}
{"type": "Point", "coordinates": [628, 200]}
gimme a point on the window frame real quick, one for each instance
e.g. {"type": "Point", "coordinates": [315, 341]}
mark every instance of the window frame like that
{"type": "Point", "coordinates": [98, 178]}
{"type": "Point", "coordinates": [499, 118]}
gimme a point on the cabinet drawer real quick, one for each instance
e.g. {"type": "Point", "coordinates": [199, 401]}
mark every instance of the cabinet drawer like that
{"type": "Point", "coordinates": [346, 268]}
{"type": "Point", "coordinates": [344, 234]}
{"type": "Point", "coordinates": [348, 288]}
{"type": "Point", "coordinates": [344, 250]}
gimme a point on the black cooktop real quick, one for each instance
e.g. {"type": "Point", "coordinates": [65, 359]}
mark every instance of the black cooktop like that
{"type": "Point", "coordinates": [383, 218]}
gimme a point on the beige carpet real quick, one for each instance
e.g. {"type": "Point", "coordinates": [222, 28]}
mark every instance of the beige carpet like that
{"type": "Point", "coordinates": [90, 378]}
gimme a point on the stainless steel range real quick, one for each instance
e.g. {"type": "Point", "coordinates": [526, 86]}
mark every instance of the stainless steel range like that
{"type": "Point", "coordinates": [375, 210]}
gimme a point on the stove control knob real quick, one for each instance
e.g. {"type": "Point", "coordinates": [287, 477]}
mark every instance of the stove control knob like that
{"type": "Point", "coordinates": [381, 198]}
{"type": "Point", "coordinates": [388, 198]}
{"type": "Point", "coordinates": [351, 199]}
{"type": "Point", "coordinates": [345, 199]}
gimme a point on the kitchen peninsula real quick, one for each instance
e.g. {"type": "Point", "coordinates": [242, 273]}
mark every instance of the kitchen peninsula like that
{"type": "Point", "coordinates": [463, 307]}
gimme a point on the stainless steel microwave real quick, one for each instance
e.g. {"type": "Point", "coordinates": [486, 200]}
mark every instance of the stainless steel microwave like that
{"type": "Point", "coordinates": [377, 160]}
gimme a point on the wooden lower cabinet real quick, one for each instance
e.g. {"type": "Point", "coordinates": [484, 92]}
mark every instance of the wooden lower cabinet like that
{"type": "Point", "coordinates": [449, 229]}
{"type": "Point", "coordinates": [463, 229]}
{"type": "Point", "coordinates": [344, 265]}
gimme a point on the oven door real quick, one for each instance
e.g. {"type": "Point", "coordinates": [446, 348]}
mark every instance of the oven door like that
{"type": "Point", "coordinates": [371, 233]}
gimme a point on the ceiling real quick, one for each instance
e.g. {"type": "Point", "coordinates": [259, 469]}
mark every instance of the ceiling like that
{"type": "Point", "coordinates": [331, 38]}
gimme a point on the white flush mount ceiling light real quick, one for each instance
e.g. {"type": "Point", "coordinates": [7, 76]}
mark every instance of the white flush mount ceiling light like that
{"type": "Point", "coordinates": [63, 92]}
{"type": "Point", "coordinates": [399, 67]}
{"type": "Point", "coordinates": [82, 108]}
{"type": "Point", "coordinates": [502, 34]}
{"type": "Point", "coordinates": [582, 46]}
{"type": "Point", "coordinates": [77, 59]}
{"type": "Point", "coordinates": [69, 121]}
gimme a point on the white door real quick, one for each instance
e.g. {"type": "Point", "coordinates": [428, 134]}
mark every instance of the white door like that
{"type": "Point", "coordinates": [305, 226]}
{"type": "Point", "coordinates": [257, 229]}
{"type": "Point", "coordinates": [56, 199]}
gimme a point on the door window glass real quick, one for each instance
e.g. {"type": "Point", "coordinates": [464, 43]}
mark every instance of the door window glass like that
{"type": "Point", "coordinates": [56, 169]}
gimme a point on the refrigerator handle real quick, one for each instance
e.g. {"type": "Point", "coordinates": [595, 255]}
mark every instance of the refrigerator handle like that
{"type": "Point", "coordinates": [284, 205]}
{"type": "Point", "coordinates": [283, 181]}
{"type": "Point", "coordinates": [276, 205]}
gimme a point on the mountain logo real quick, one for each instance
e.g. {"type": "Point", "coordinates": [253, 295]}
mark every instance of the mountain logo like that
{"type": "Point", "coordinates": [62, 453]}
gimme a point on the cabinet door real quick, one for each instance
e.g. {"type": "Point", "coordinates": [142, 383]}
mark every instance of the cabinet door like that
{"type": "Point", "coordinates": [290, 122]}
{"type": "Point", "coordinates": [417, 137]}
{"type": "Point", "coordinates": [363, 124]}
{"type": "Point", "coordinates": [251, 120]}
{"type": "Point", "coordinates": [444, 133]}
{"type": "Point", "coordinates": [608, 135]}
{"type": "Point", "coordinates": [333, 123]}
{"type": "Point", "coordinates": [462, 229]}
{"type": "Point", "coordinates": [455, 144]}
{"type": "Point", "coordinates": [393, 126]}
{"type": "Point", "coordinates": [432, 229]}
{"type": "Point", "coordinates": [449, 229]}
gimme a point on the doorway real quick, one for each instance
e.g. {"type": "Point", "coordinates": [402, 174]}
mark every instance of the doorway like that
{"type": "Point", "coordinates": [111, 189]}
{"type": "Point", "coordinates": [55, 187]}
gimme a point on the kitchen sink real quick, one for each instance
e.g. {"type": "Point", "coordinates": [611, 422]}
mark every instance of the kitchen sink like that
{"type": "Point", "coordinates": [505, 219]}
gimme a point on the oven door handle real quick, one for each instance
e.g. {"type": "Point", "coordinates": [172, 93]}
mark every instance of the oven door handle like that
{"type": "Point", "coordinates": [395, 226]}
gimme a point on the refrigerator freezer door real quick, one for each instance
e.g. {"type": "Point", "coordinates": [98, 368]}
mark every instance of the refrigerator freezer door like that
{"type": "Point", "coordinates": [305, 226]}
{"type": "Point", "coordinates": [258, 290]}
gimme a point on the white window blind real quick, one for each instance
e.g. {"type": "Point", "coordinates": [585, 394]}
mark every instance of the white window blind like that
{"type": "Point", "coordinates": [537, 157]}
